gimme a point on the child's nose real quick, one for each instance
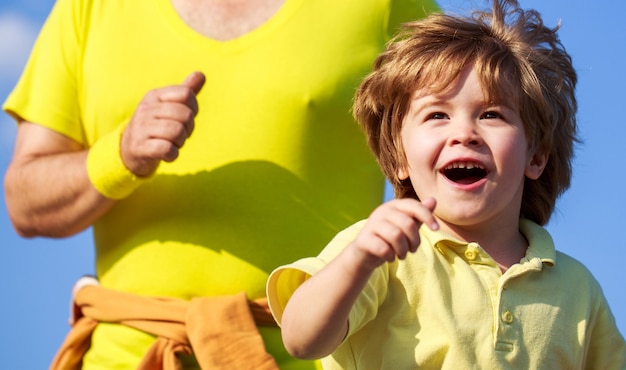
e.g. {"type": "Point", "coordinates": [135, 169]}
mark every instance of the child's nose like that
{"type": "Point", "coordinates": [465, 132]}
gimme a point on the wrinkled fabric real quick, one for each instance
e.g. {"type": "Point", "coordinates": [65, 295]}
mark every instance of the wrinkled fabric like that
{"type": "Point", "coordinates": [220, 331]}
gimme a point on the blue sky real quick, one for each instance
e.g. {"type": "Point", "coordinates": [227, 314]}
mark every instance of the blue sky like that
{"type": "Point", "coordinates": [36, 275]}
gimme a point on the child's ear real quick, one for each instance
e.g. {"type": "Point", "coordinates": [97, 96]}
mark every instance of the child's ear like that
{"type": "Point", "coordinates": [536, 165]}
{"type": "Point", "coordinates": [403, 173]}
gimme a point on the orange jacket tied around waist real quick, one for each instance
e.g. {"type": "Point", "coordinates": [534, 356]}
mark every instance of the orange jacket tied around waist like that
{"type": "Point", "coordinates": [220, 331]}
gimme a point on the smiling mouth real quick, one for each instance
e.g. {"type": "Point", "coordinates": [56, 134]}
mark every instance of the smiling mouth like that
{"type": "Point", "coordinates": [464, 173]}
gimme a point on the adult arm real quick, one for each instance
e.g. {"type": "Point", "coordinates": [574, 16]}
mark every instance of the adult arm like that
{"type": "Point", "coordinates": [48, 190]}
{"type": "Point", "coordinates": [315, 319]}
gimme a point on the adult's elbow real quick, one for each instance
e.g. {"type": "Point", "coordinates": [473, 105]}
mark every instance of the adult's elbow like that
{"type": "Point", "coordinates": [28, 231]}
{"type": "Point", "coordinates": [24, 228]}
{"type": "Point", "coordinates": [20, 223]}
{"type": "Point", "coordinates": [31, 225]}
{"type": "Point", "coordinates": [22, 231]}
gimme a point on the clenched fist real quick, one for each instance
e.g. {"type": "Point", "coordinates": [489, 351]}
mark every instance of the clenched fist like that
{"type": "Point", "coordinates": [160, 126]}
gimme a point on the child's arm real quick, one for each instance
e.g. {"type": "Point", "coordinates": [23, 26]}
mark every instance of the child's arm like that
{"type": "Point", "coordinates": [315, 320]}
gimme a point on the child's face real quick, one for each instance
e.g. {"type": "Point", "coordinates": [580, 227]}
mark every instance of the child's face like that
{"type": "Point", "coordinates": [471, 156]}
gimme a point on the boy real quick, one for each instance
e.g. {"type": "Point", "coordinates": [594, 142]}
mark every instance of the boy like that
{"type": "Point", "coordinates": [473, 122]}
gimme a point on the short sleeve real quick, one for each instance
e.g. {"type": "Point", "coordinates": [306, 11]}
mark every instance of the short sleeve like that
{"type": "Point", "coordinates": [284, 281]}
{"type": "Point", "coordinates": [606, 346]}
{"type": "Point", "coordinates": [47, 91]}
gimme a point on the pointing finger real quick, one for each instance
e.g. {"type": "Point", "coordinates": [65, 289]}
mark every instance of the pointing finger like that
{"type": "Point", "coordinates": [422, 211]}
{"type": "Point", "coordinates": [430, 204]}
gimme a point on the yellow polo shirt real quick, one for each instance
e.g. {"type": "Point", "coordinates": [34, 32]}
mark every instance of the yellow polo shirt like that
{"type": "Point", "coordinates": [448, 306]}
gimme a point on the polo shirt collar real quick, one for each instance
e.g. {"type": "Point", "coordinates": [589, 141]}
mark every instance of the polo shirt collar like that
{"type": "Point", "coordinates": [540, 244]}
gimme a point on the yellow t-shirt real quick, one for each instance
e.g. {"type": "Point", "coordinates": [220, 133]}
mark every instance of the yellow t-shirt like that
{"type": "Point", "coordinates": [448, 306]}
{"type": "Point", "coordinates": [276, 164]}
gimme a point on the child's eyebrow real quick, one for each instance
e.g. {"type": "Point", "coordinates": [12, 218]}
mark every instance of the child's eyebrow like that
{"type": "Point", "coordinates": [421, 102]}
{"type": "Point", "coordinates": [502, 104]}
{"type": "Point", "coordinates": [428, 99]}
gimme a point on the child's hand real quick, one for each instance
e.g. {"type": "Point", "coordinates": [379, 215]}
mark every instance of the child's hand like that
{"type": "Point", "coordinates": [392, 231]}
{"type": "Point", "coordinates": [314, 327]}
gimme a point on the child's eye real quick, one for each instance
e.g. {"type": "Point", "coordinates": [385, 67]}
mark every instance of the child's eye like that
{"type": "Point", "coordinates": [490, 115]}
{"type": "Point", "coordinates": [437, 115]}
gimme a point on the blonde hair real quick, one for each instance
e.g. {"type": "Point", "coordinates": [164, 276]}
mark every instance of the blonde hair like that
{"type": "Point", "coordinates": [515, 56]}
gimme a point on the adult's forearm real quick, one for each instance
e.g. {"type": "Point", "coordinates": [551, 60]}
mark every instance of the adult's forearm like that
{"type": "Point", "coordinates": [51, 195]}
{"type": "Point", "coordinates": [49, 188]}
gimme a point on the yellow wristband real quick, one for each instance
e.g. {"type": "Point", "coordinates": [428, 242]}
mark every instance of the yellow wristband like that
{"type": "Point", "coordinates": [106, 170]}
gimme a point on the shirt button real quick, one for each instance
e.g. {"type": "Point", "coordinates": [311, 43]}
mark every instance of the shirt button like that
{"type": "Point", "coordinates": [470, 252]}
{"type": "Point", "coordinates": [507, 317]}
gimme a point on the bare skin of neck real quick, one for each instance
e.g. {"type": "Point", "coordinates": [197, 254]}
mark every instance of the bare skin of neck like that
{"type": "Point", "coordinates": [514, 255]}
{"type": "Point", "coordinates": [225, 20]}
